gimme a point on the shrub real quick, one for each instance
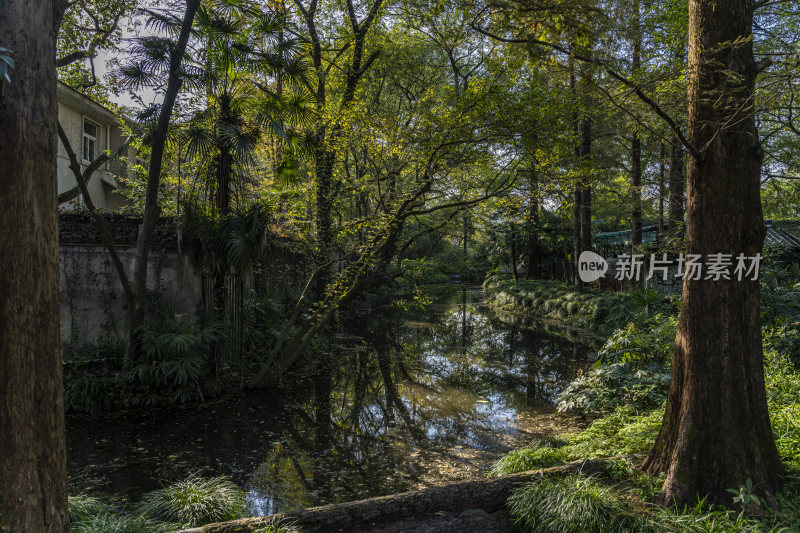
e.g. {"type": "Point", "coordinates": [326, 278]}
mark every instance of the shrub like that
{"type": "Point", "coordinates": [647, 342]}
{"type": "Point", "coordinates": [196, 501]}
{"type": "Point", "coordinates": [607, 387]}
{"type": "Point", "coordinates": [173, 355]}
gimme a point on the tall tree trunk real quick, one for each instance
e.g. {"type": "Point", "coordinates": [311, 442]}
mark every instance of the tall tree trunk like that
{"type": "Point", "coordinates": [513, 251]}
{"type": "Point", "coordinates": [534, 252]}
{"type": "Point", "coordinates": [716, 431]}
{"type": "Point", "coordinates": [661, 156]}
{"type": "Point", "coordinates": [33, 484]}
{"type": "Point", "coordinates": [676, 194]}
{"type": "Point", "coordinates": [636, 144]}
{"type": "Point", "coordinates": [577, 234]}
{"type": "Point", "coordinates": [636, 190]}
{"type": "Point", "coordinates": [152, 209]}
{"type": "Point", "coordinates": [586, 187]}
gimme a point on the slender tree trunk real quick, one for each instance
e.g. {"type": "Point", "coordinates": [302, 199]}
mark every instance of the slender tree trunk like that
{"type": "Point", "coordinates": [586, 187]}
{"type": "Point", "coordinates": [534, 252]}
{"type": "Point", "coordinates": [33, 484]}
{"type": "Point", "coordinates": [661, 156]}
{"type": "Point", "coordinates": [514, 270]}
{"type": "Point", "coordinates": [676, 193]}
{"type": "Point", "coordinates": [716, 431]}
{"type": "Point", "coordinates": [152, 209]}
{"type": "Point", "coordinates": [578, 195]}
{"type": "Point", "coordinates": [636, 190]}
{"type": "Point", "coordinates": [636, 144]}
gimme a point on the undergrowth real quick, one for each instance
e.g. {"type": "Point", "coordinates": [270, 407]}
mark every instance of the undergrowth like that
{"type": "Point", "coordinates": [194, 502]}
{"type": "Point", "coordinates": [593, 309]}
{"type": "Point", "coordinates": [627, 391]}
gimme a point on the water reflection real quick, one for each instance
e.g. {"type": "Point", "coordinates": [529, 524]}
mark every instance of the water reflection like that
{"type": "Point", "coordinates": [402, 400]}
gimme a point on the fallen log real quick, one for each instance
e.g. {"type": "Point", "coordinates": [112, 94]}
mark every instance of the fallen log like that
{"type": "Point", "coordinates": [483, 495]}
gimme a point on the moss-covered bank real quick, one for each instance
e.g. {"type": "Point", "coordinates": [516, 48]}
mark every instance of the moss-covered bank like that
{"type": "Point", "coordinates": [538, 298]}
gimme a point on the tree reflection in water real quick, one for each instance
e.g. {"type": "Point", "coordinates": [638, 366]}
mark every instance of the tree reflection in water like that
{"type": "Point", "coordinates": [402, 399]}
{"type": "Point", "coordinates": [414, 398]}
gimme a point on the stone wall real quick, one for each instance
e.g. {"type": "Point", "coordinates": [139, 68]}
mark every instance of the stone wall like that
{"type": "Point", "coordinates": [93, 304]}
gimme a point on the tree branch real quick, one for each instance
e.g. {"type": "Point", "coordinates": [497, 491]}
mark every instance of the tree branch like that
{"type": "Point", "coordinates": [108, 238]}
{"type": "Point", "coordinates": [594, 61]}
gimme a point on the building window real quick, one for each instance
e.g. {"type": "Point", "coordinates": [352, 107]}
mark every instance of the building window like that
{"type": "Point", "coordinates": [89, 141]}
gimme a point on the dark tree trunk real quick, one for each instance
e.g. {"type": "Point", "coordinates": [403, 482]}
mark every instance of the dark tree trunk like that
{"type": "Point", "coordinates": [586, 186]}
{"type": "Point", "coordinates": [636, 144]}
{"type": "Point", "coordinates": [582, 128]}
{"type": "Point", "coordinates": [636, 190]}
{"type": "Point", "coordinates": [661, 156]}
{"type": "Point", "coordinates": [513, 245]}
{"type": "Point", "coordinates": [676, 194]}
{"type": "Point", "coordinates": [577, 235]}
{"type": "Point", "coordinates": [33, 481]}
{"type": "Point", "coordinates": [152, 208]}
{"type": "Point", "coordinates": [716, 431]}
{"type": "Point", "coordinates": [534, 251]}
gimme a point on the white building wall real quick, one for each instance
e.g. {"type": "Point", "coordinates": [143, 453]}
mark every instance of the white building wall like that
{"type": "Point", "coordinates": [73, 109]}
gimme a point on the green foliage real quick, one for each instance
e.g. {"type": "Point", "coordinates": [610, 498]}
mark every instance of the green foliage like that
{"type": "Point", "coordinates": [603, 389]}
{"type": "Point", "coordinates": [196, 501]}
{"type": "Point", "coordinates": [171, 362]}
{"type": "Point", "coordinates": [553, 299]}
{"type": "Point", "coordinates": [622, 432]}
{"type": "Point", "coordinates": [92, 381]}
{"type": "Point", "coordinates": [650, 341]}
{"type": "Point", "coordinates": [541, 453]}
{"type": "Point", "coordinates": [420, 272]}
{"type": "Point", "coordinates": [592, 504]}
{"type": "Point", "coordinates": [746, 498]}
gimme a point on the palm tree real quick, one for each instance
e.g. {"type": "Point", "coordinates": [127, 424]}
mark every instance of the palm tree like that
{"type": "Point", "coordinates": [244, 83]}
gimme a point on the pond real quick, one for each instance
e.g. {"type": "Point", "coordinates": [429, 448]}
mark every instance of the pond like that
{"type": "Point", "coordinates": [403, 399]}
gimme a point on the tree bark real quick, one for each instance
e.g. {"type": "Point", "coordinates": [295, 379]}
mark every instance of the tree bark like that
{"type": "Point", "coordinates": [586, 186]}
{"type": "Point", "coordinates": [716, 431]}
{"type": "Point", "coordinates": [636, 144]}
{"type": "Point", "coordinates": [513, 251]}
{"type": "Point", "coordinates": [661, 156]}
{"type": "Point", "coordinates": [636, 190]}
{"type": "Point", "coordinates": [676, 194]}
{"type": "Point", "coordinates": [152, 208]}
{"type": "Point", "coordinates": [33, 490]}
{"type": "Point", "coordinates": [534, 251]}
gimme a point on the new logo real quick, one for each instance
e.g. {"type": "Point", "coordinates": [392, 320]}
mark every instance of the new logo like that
{"type": "Point", "coordinates": [591, 266]}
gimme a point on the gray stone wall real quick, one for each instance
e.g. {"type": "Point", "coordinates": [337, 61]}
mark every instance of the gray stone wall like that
{"type": "Point", "coordinates": [93, 304]}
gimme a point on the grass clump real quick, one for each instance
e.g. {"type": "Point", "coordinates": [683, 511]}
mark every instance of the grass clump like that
{"type": "Point", "coordinates": [278, 526]}
{"type": "Point", "coordinates": [196, 501]}
{"type": "Point", "coordinates": [82, 507]}
{"type": "Point", "coordinates": [569, 504]}
{"type": "Point", "coordinates": [108, 522]}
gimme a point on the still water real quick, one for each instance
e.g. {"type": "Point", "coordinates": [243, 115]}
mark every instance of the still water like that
{"type": "Point", "coordinates": [407, 399]}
